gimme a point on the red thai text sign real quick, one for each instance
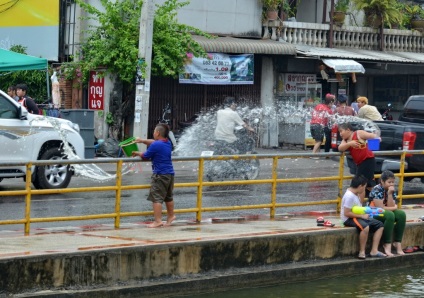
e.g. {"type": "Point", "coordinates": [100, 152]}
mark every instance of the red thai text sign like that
{"type": "Point", "coordinates": [96, 88]}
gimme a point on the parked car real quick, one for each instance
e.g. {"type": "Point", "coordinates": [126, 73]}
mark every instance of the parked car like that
{"type": "Point", "coordinates": [407, 133]}
{"type": "Point", "coordinates": [28, 137]}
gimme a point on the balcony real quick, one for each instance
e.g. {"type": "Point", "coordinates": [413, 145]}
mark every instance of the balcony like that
{"type": "Point", "coordinates": [363, 38]}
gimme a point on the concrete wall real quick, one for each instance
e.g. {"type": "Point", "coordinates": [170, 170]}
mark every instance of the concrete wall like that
{"type": "Point", "coordinates": [235, 17]}
{"type": "Point", "coordinates": [197, 266]}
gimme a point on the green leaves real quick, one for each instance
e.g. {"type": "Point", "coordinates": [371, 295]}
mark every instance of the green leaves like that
{"type": "Point", "coordinates": [113, 44]}
{"type": "Point", "coordinates": [35, 79]}
{"type": "Point", "coordinates": [172, 40]}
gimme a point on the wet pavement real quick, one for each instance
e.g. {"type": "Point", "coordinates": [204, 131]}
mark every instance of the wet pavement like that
{"type": "Point", "coordinates": [45, 241]}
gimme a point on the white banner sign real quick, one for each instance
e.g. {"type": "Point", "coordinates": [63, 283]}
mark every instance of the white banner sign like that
{"type": "Point", "coordinates": [295, 83]}
{"type": "Point", "coordinates": [219, 69]}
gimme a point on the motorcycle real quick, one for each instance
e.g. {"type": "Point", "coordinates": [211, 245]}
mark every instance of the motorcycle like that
{"type": "Point", "coordinates": [165, 119]}
{"type": "Point", "coordinates": [386, 115]}
{"type": "Point", "coordinates": [242, 169]}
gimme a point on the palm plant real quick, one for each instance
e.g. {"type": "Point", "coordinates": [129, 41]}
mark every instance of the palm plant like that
{"type": "Point", "coordinates": [379, 12]}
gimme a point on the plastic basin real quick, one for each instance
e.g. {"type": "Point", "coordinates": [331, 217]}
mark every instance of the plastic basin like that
{"type": "Point", "coordinates": [129, 146]}
{"type": "Point", "coordinates": [374, 144]}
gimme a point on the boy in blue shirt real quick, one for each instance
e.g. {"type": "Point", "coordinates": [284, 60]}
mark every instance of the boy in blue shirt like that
{"type": "Point", "coordinates": [162, 184]}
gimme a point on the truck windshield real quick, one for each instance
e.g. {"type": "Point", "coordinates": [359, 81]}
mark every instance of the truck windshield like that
{"type": "Point", "coordinates": [414, 109]}
{"type": "Point", "coordinates": [7, 109]}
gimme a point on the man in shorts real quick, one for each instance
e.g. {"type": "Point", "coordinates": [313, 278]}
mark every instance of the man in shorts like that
{"type": "Point", "coordinates": [362, 222]}
{"type": "Point", "coordinates": [162, 183]}
{"type": "Point", "coordinates": [320, 124]}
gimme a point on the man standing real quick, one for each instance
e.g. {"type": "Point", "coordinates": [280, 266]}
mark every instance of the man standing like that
{"type": "Point", "coordinates": [162, 183]}
{"type": "Point", "coordinates": [320, 124]}
{"type": "Point", "coordinates": [25, 100]}
{"type": "Point", "coordinates": [227, 119]}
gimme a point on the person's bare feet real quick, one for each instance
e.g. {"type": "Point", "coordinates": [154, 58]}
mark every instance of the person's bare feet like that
{"type": "Point", "coordinates": [170, 220]}
{"type": "Point", "coordinates": [155, 224]}
{"type": "Point", "coordinates": [398, 247]}
{"type": "Point", "coordinates": [388, 249]}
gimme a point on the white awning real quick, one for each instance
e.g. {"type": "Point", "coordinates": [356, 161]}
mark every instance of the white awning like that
{"type": "Point", "coordinates": [344, 65]}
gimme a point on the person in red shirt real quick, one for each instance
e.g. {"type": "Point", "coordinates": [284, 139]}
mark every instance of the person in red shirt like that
{"type": "Point", "coordinates": [320, 123]}
{"type": "Point", "coordinates": [343, 109]}
{"type": "Point", "coordinates": [355, 142]}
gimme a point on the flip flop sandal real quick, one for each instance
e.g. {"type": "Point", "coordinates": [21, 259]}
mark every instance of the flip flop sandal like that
{"type": "Point", "coordinates": [416, 248]}
{"type": "Point", "coordinates": [361, 256]}
{"type": "Point", "coordinates": [408, 249]}
{"type": "Point", "coordinates": [320, 221]}
{"type": "Point", "coordinates": [327, 223]}
{"type": "Point", "coordinates": [378, 255]}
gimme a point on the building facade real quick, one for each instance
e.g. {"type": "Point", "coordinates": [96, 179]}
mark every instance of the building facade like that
{"type": "Point", "coordinates": [292, 59]}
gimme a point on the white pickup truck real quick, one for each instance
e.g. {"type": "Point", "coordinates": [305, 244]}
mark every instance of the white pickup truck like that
{"type": "Point", "coordinates": [28, 137]}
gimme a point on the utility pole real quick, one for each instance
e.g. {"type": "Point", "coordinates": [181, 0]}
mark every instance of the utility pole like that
{"type": "Point", "coordinates": [142, 92]}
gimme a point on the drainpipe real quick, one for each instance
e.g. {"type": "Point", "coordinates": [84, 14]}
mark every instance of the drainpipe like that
{"type": "Point", "coordinates": [382, 36]}
{"type": "Point", "coordinates": [330, 38]}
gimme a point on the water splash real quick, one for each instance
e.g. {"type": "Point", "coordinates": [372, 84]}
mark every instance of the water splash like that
{"type": "Point", "coordinates": [196, 138]}
{"type": "Point", "coordinates": [90, 171]}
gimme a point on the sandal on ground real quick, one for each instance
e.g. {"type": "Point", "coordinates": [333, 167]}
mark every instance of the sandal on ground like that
{"type": "Point", "coordinates": [320, 221]}
{"type": "Point", "coordinates": [408, 249]}
{"type": "Point", "coordinates": [361, 256]}
{"type": "Point", "coordinates": [378, 255]}
{"type": "Point", "coordinates": [327, 223]}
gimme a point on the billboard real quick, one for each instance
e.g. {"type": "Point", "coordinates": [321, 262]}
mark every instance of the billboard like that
{"type": "Point", "coordinates": [32, 24]}
{"type": "Point", "coordinates": [219, 69]}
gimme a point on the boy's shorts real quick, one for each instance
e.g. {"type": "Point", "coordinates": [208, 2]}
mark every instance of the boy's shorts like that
{"type": "Point", "coordinates": [161, 188]}
{"type": "Point", "coordinates": [360, 224]}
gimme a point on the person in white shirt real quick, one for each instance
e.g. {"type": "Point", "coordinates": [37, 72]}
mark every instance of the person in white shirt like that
{"type": "Point", "coordinates": [227, 120]}
{"type": "Point", "coordinates": [362, 222]}
{"type": "Point", "coordinates": [367, 111]}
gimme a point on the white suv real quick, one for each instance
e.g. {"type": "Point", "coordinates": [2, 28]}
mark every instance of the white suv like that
{"type": "Point", "coordinates": [42, 141]}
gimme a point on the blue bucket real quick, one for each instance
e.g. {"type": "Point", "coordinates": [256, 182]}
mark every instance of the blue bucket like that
{"type": "Point", "coordinates": [374, 144]}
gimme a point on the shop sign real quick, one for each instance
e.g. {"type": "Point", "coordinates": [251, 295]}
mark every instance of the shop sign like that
{"type": "Point", "coordinates": [96, 87]}
{"type": "Point", "coordinates": [218, 69]}
{"type": "Point", "coordinates": [296, 83]}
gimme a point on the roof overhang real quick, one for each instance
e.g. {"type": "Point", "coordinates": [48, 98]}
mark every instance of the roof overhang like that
{"type": "Point", "coordinates": [361, 55]}
{"type": "Point", "coordinates": [245, 46]}
{"type": "Point", "coordinates": [344, 65]}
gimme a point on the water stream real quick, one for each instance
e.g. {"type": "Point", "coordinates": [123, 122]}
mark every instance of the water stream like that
{"type": "Point", "coordinates": [88, 171]}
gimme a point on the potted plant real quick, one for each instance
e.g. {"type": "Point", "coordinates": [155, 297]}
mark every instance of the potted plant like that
{"type": "Point", "coordinates": [340, 9]}
{"type": "Point", "coordinates": [286, 10]}
{"type": "Point", "coordinates": [378, 12]}
{"type": "Point", "coordinates": [415, 14]}
{"type": "Point", "coordinates": [271, 8]}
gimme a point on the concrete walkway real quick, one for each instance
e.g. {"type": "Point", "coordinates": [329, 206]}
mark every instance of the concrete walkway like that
{"type": "Point", "coordinates": [187, 257]}
{"type": "Point", "coordinates": [93, 238]}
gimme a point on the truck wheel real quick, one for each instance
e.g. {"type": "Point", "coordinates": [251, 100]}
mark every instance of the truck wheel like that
{"type": "Point", "coordinates": [52, 176]}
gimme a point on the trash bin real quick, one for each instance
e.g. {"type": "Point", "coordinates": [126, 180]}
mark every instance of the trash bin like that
{"type": "Point", "coordinates": [85, 120]}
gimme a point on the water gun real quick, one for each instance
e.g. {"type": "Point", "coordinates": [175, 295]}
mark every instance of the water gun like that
{"type": "Point", "coordinates": [372, 211]}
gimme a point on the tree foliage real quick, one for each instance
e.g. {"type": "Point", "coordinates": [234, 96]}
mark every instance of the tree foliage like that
{"type": "Point", "coordinates": [35, 79]}
{"type": "Point", "coordinates": [172, 41]}
{"type": "Point", "coordinates": [112, 44]}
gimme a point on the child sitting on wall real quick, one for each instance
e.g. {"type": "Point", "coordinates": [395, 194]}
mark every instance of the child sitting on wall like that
{"type": "Point", "coordinates": [362, 222]}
